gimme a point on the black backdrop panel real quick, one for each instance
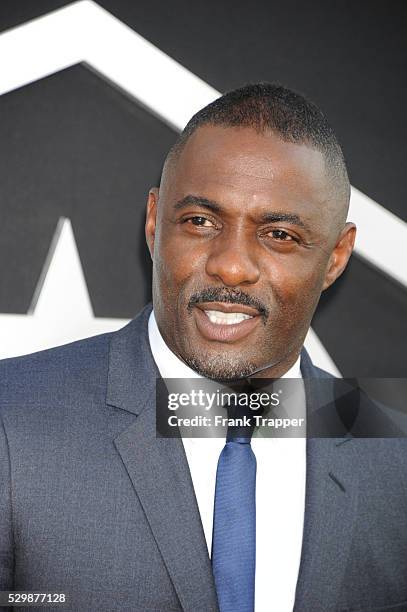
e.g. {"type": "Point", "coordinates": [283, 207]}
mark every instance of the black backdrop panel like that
{"type": "Point", "coordinates": [77, 147]}
{"type": "Point", "coordinates": [361, 320]}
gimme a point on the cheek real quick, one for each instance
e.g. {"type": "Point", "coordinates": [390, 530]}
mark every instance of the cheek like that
{"type": "Point", "coordinates": [297, 285]}
{"type": "Point", "coordinates": [176, 265]}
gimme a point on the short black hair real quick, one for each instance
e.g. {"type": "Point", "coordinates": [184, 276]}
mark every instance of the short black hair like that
{"type": "Point", "coordinates": [272, 107]}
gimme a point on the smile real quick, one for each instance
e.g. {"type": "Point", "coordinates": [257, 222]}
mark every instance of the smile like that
{"type": "Point", "coordinates": [226, 318]}
{"type": "Point", "coordinates": [224, 322]}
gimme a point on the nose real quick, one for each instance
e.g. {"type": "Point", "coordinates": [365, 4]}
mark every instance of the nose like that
{"type": "Point", "coordinates": [232, 262]}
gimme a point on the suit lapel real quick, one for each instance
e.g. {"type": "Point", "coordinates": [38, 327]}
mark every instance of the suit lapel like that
{"type": "Point", "coordinates": [331, 503]}
{"type": "Point", "coordinates": [158, 469]}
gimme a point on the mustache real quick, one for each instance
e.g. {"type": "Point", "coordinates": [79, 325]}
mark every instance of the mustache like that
{"type": "Point", "coordinates": [231, 296]}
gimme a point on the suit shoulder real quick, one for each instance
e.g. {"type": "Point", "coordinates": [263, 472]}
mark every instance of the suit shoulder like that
{"type": "Point", "coordinates": [51, 372]}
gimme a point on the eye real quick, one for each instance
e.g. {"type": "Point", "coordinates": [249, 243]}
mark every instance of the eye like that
{"type": "Point", "coordinates": [200, 221]}
{"type": "Point", "coordinates": [281, 235]}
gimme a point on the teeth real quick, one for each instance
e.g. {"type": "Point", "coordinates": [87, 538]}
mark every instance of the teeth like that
{"type": "Point", "coordinates": [226, 318]}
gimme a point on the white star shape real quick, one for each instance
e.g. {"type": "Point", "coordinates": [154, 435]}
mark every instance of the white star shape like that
{"type": "Point", "coordinates": [61, 310]}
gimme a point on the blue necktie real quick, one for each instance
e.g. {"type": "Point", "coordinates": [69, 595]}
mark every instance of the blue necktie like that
{"type": "Point", "coordinates": [234, 524]}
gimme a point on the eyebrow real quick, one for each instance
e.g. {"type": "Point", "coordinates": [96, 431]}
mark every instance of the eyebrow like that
{"type": "Point", "coordinates": [267, 217]}
{"type": "Point", "coordinates": [273, 217]}
{"type": "Point", "coordinates": [198, 201]}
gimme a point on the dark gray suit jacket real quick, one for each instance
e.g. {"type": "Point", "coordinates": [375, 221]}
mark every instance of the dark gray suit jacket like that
{"type": "Point", "coordinates": [92, 504]}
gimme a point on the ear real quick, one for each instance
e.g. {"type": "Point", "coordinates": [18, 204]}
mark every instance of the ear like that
{"type": "Point", "coordinates": [340, 255]}
{"type": "Point", "coordinates": [151, 219]}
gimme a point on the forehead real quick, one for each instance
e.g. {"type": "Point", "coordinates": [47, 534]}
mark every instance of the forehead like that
{"type": "Point", "coordinates": [250, 168]}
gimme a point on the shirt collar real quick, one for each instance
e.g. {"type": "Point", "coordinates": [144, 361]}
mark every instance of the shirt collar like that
{"type": "Point", "coordinates": [171, 366]}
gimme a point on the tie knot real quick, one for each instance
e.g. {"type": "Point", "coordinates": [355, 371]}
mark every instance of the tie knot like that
{"type": "Point", "coordinates": [241, 422]}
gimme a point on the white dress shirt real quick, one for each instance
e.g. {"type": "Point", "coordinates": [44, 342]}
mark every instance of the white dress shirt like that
{"type": "Point", "coordinates": [280, 490]}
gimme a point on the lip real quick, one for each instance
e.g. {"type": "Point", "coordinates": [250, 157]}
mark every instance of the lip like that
{"type": "Point", "coordinates": [225, 333]}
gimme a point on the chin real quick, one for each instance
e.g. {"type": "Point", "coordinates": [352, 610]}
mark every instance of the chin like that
{"type": "Point", "coordinates": [221, 368]}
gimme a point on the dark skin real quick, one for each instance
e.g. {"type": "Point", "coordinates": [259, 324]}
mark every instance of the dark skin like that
{"type": "Point", "coordinates": [245, 222]}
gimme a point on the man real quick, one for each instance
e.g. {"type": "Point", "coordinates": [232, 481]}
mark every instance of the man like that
{"type": "Point", "coordinates": [246, 231]}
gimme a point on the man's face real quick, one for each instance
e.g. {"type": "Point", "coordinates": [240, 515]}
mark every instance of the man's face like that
{"type": "Point", "coordinates": [245, 233]}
